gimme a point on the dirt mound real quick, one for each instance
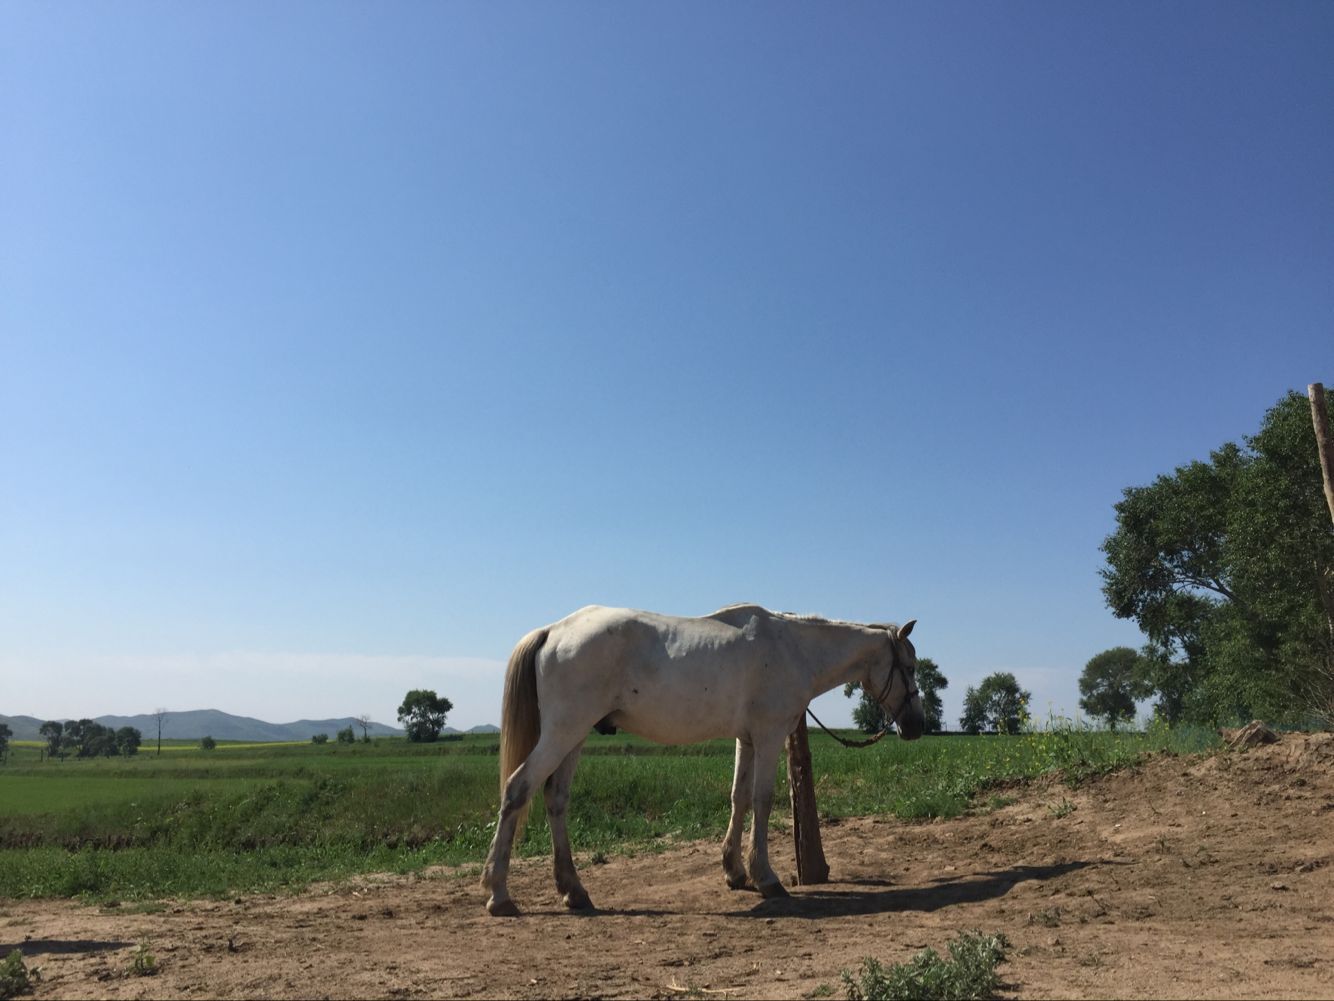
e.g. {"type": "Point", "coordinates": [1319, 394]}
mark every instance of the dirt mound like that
{"type": "Point", "coordinates": [1182, 877]}
{"type": "Point", "coordinates": [1249, 735]}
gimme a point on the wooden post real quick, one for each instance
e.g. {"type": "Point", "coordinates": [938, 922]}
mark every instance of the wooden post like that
{"type": "Point", "coordinates": [811, 864]}
{"type": "Point", "coordinates": [1320, 418]}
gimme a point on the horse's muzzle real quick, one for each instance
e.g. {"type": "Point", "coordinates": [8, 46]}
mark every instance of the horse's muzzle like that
{"type": "Point", "coordinates": [911, 725]}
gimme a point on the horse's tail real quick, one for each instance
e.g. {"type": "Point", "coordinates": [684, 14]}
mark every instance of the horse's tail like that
{"type": "Point", "coordinates": [520, 717]}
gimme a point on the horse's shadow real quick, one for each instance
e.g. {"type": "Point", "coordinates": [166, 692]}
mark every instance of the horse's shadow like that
{"type": "Point", "coordinates": [878, 896]}
{"type": "Point", "coordinates": [942, 892]}
{"type": "Point", "coordinates": [62, 946]}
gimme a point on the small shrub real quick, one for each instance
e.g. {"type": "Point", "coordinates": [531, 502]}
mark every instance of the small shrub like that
{"type": "Point", "coordinates": [968, 975]}
{"type": "Point", "coordinates": [207, 743]}
{"type": "Point", "coordinates": [143, 963]}
{"type": "Point", "coordinates": [320, 738]}
{"type": "Point", "coordinates": [346, 736]}
{"type": "Point", "coordinates": [15, 978]}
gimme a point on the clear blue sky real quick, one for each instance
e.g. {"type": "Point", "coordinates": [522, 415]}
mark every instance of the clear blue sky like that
{"type": "Point", "coordinates": [341, 344]}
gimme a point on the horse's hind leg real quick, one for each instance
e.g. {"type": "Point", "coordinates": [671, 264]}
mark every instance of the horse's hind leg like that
{"type": "Point", "coordinates": [741, 795]}
{"type": "Point", "coordinates": [557, 799]}
{"type": "Point", "coordinates": [519, 789]}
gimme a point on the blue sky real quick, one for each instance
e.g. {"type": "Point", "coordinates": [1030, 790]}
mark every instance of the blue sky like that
{"type": "Point", "coordinates": [341, 344]}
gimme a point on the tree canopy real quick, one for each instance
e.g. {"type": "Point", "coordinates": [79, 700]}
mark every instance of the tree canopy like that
{"type": "Point", "coordinates": [423, 714]}
{"type": "Point", "coordinates": [998, 704]}
{"type": "Point", "coordinates": [1228, 568]}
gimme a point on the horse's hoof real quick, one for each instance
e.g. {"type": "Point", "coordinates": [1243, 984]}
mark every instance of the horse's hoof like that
{"type": "Point", "coordinates": [775, 889]}
{"type": "Point", "coordinates": [577, 900]}
{"type": "Point", "coordinates": [502, 908]}
{"type": "Point", "coordinates": [738, 883]}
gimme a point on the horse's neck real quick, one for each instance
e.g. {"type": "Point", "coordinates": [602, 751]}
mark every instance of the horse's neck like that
{"type": "Point", "coordinates": [837, 652]}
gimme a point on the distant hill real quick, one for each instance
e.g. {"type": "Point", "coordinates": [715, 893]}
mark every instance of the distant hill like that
{"type": "Point", "coordinates": [484, 728]}
{"type": "Point", "coordinates": [195, 723]}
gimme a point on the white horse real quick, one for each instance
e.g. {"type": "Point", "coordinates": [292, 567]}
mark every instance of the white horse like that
{"type": "Point", "coordinates": [742, 672]}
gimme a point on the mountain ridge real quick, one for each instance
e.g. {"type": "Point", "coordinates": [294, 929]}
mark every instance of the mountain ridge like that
{"type": "Point", "coordinates": [195, 723]}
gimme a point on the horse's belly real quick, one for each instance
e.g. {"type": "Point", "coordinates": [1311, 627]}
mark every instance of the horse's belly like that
{"type": "Point", "coordinates": [672, 728]}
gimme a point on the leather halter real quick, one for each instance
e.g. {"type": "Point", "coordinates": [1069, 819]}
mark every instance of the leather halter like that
{"type": "Point", "coordinates": [910, 690]}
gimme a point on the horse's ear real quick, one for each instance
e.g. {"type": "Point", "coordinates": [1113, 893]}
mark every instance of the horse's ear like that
{"type": "Point", "coordinates": [906, 628]}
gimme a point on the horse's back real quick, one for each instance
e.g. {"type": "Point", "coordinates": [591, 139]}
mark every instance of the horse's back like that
{"type": "Point", "coordinates": [669, 678]}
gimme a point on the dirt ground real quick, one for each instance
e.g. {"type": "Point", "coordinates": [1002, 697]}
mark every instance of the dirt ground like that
{"type": "Point", "coordinates": [1184, 877]}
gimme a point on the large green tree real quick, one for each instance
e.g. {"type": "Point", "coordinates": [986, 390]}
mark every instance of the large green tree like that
{"type": "Point", "coordinates": [423, 714]}
{"type": "Point", "coordinates": [997, 704]}
{"type": "Point", "coordinates": [1110, 684]}
{"type": "Point", "coordinates": [1228, 568]}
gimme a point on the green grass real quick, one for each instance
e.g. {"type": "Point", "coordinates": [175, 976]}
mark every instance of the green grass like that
{"type": "Point", "coordinates": [249, 817]}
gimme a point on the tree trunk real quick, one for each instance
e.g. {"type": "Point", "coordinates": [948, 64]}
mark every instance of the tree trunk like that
{"type": "Point", "coordinates": [1320, 418]}
{"type": "Point", "coordinates": [811, 864]}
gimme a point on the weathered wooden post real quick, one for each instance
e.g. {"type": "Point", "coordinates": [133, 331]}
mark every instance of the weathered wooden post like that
{"type": "Point", "coordinates": [1320, 418]}
{"type": "Point", "coordinates": [811, 864]}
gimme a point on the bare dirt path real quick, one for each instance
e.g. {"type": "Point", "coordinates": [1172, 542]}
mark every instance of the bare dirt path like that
{"type": "Point", "coordinates": [1184, 877]}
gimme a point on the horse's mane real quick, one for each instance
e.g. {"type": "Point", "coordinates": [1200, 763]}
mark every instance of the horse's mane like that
{"type": "Point", "coordinates": [817, 620]}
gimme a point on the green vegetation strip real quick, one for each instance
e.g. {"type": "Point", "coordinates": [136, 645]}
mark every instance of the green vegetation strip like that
{"type": "Point", "coordinates": [257, 818]}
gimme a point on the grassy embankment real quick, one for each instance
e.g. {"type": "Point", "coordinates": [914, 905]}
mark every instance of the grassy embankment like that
{"type": "Point", "coordinates": [250, 817]}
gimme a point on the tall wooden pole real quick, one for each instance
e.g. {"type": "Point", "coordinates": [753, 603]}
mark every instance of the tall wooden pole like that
{"type": "Point", "coordinates": [811, 864]}
{"type": "Point", "coordinates": [1320, 418]}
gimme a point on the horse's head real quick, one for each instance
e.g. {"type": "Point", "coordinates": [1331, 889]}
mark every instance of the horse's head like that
{"type": "Point", "coordinates": [893, 683]}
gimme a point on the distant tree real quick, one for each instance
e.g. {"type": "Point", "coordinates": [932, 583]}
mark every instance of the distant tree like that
{"type": "Point", "coordinates": [320, 738]}
{"type": "Point", "coordinates": [364, 721]}
{"type": "Point", "coordinates": [53, 730]}
{"type": "Point", "coordinates": [930, 681]}
{"type": "Point", "coordinates": [423, 714]}
{"type": "Point", "coordinates": [128, 739]}
{"type": "Point", "coordinates": [96, 740]}
{"type": "Point", "coordinates": [5, 734]}
{"type": "Point", "coordinates": [997, 704]}
{"type": "Point", "coordinates": [1110, 683]}
{"type": "Point", "coordinates": [73, 737]}
{"type": "Point", "coordinates": [207, 743]}
{"type": "Point", "coordinates": [160, 714]}
{"type": "Point", "coordinates": [868, 717]}
{"type": "Point", "coordinates": [347, 736]}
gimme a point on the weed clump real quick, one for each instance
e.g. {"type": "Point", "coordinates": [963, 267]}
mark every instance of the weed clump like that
{"type": "Point", "coordinates": [968, 975]}
{"type": "Point", "coordinates": [15, 977]}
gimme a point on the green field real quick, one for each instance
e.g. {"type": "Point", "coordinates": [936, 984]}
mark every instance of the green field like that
{"type": "Point", "coordinates": [248, 817]}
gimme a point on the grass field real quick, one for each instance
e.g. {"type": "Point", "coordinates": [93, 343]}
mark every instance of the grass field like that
{"type": "Point", "coordinates": [248, 817]}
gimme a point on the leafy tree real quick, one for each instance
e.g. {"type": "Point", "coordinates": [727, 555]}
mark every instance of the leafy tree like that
{"type": "Point", "coordinates": [346, 736]}
{"type": "Point", "coordinates": [128, 739]}
{"type": "Point", "coordinates": [5, 734]}
{"type": "Point", "coordinates": [868, 717]}
{"type": "Point", "coordinates": [96, 740]}
{"type": "Point", "coordinates": [320, 738]}
{"type": "Point", "coordinates": [997, 704]}
{"type": "Point", "coordinates": [1228, 568]}
{"type": "Point", "coordinates": [73, 736]}
{"type": "Point", "coordinates": [207, 743]}
{"type": "Point", "coordinates": [423, 714]}
{"type": "Point", "coordinates": [1109, 685]}
{"type": "Point", "coordinates": [930, 681]}
{"type": "Point", "coordinates": [53, 730]}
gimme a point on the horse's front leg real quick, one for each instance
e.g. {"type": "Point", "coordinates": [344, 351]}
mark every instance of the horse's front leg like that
{"type": "Point", "coordinates": [766, 761]}
{"type": "Point", "coordinates": [742, 791]}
